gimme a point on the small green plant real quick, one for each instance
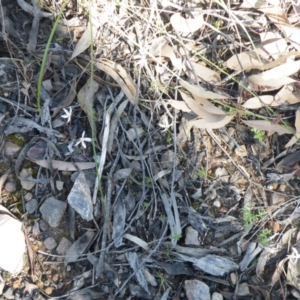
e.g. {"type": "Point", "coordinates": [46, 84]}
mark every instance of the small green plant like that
{"type": "Point", "coordinates": [218, 24]}
{"type": "Point", "coordinates": [264, 235]}
{"type": "Point", "coordinates": [249, 217]}
{"type": "Point", "coordinates": [146, 205]}
{"type": "Point", "coordinates": [202, 172]}
{"type": "Point", "coordinates": [162, 280]}
{"type": "Point", "coordinates": [258, 135]}
{"type": "Point", "coordinates": [175, 236]}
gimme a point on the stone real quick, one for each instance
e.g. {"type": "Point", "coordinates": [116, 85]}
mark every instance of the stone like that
{"type": "Point", "coordinates": [8, 294]}
{"type": "Point", "coordinates": [63, 246]}
{"type": "Point", "coordinates": [44, 226]}
{"type": "Point", "coordinates": [192, 236]}
{"type": "Point", "coordinates": [10, 187]}
{"type": "Point", "coordinates": [50, 243]}
{"type": "Point", "coordinates": [80, 198]}
{"type": "Point", "coordinates": [31, 206]}
{"type": "Point", "coordinates": [28, 196]}
{"type": "Point", "coordinates": [53, 210]}
{"type": "Point", "coordinates": [25, 177]}
{"type": "Point", "coordinates": [196, 289]}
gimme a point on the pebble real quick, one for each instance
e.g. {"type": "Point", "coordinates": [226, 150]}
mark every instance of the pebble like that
{"type": "Point", "coordinates": [80, 198]}
{"type": "Point", "coordinates": [59, 185]}
{"type": "Point", "coordinates": [53, 211]}
{"type": "Point", "coordinates": [191, 237]}
{"type": "Point", "coordinates": [10, 187]}
{"type": "Point", "coordinates": [63, 246]}
{"type": "Point", "coordinates": [50, 243]}
{"type": "Point", "coordinates": [31, 206]}
{"type": "Point", "coordinates": [43, 225]}
{"type": "Point", "coordinates": [55, 278]}
{"type": "Point", "coordinates": [8, 294]}
{"type": "Point", "coordinates": [28, 196]}
{"type": "Point", "coordinates": [49, 290]}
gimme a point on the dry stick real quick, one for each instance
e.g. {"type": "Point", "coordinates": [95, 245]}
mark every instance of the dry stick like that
{"type": "Point", "coordinates": [29, 9]}
{"type": "Point", "coordinates": [106, 127]}
{"type": "Point", "coordinates": [32, 41]}
{"type": "Point", "coordinates": [106, 205]}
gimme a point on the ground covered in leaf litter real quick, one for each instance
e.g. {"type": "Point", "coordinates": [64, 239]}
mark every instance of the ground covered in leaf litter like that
{"type": "Point", "coordinates": [164, 163]}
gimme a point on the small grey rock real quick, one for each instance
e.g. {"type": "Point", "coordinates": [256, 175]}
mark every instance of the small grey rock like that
{"type": "Point", "coordinates": [8, 294]}
{"type": "Point", "coordinates": [53, 211]}
{"type": "Point", "coordinates": [31, 206]}
{"type": "Point", "coordinates": [43, 225]}
{"type": "Point", "coordinates": [10, 187]}
{"type": "Point", "coordinates": [50, 243]}
{"type": "Point", "coordinates": [80, 198]}
{"type": "Point", "coordinates": [63, 246]}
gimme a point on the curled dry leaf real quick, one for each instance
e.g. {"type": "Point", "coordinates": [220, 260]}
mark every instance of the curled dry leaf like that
{"type": "Point", "coordinates": [157, 45]}
{"type": "Point", "coordinates": [186, 26]}
{"type": "Point", "coordinates": [273, 43]}
{"type": "Point", "coordinates": [258, 102]}
{"type": "Point", "coordinates": [204, 124]}
{"type": "Point", "coordinates": [269, 126]}
{"type": "Point", "coordinates": [247, 60]}
{"type": "Point", "coordinates": [203, 108]}
{"type": "Point", "coordinates": [180, 105]}
{"type": "Point", "coordinates": [288, 94]}
{"type": "Point", "coordinates": [168, 51]}
{"type": "Point", "coordinates": [203, 73]}
{"type": "Point", "coordinates": [275, 14]}
{"type": "Point", "coordinates": [198, 91]}
{"type": "Point", "coordinates": [86, 100]}
{"type": "Point", "coordinates": [89, 35]}
{"type": "Point", "coordinates": [119, 74]}
{"type": "Point", "coordinates": [277, 76]}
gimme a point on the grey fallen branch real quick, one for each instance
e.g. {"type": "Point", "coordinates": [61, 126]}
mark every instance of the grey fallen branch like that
{"type": "Point", "coordinates": [30, 9]}
{"type": "Point", "coordinates": [19, 124]}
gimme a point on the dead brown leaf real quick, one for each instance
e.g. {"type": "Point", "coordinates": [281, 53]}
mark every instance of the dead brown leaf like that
{"type": "Point", "coordinates": [186, 26]}
{"type": "Point", "coordinates": [86, 100]}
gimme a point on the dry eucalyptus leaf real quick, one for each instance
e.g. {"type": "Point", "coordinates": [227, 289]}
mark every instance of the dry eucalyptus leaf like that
{"type": "Point", "coordinates": [134, 263]}
{"type": "Point", "coordinates": [198, 91]}
{"type": "Point", "coordinates": [64, 165]}
{"type": "Point", "coordinates": [79, 247]}
{"type": "Point", "coordinates": [252, 251]}
{"type": "Point", "coordinates": [205, 124]}
{"type": "Point", "coordinates": [168, 51]}
{"type": "Point", "coordinates": [119, 74]}
{"type": "Point", "coordinates": [261, 101]}
{"type": "Point", "coordinates": [277, 76]}
{"type": "Point", "coordinates": [273, 43]}
{"type": "Point", "coordinates": [180, 105]}
{"type": "Point", "coordinates": [156, 46]}
{"type": "Point", "coordinates": [89, 35]}
{"type": "Point", "coordinates": [247, 60]}
{"type": "Point", "coordinates": [186, 26]}
{"type": "Point", "coordinates": [203, 108]}
{"type": "Point", "coordinates": [287, 94]}
{"type": "Point", "coordinates": [269, 126]}
{"type": "Point", "coordinates": [202, 73]}
{"type": "Point", "coordinates": [86, 100]}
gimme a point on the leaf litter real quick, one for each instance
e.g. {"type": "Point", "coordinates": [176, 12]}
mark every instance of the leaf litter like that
{"type": "Point", "coordinates": [185, 151]}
